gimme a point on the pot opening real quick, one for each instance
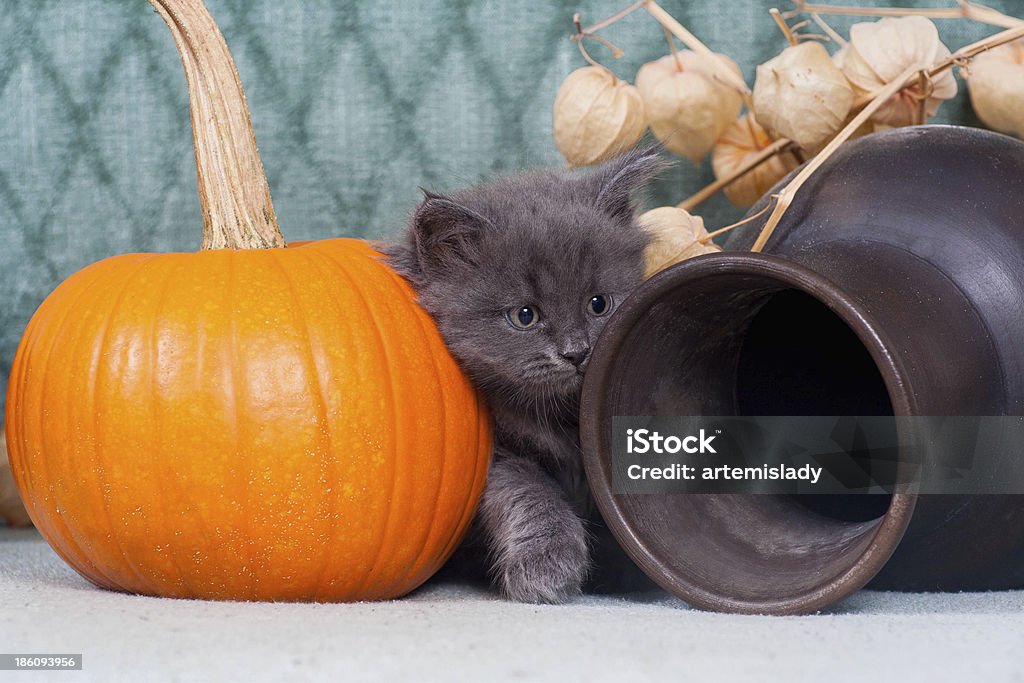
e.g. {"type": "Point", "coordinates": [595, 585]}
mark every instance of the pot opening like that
{"type": "Point", "coordinates": [740, 337]}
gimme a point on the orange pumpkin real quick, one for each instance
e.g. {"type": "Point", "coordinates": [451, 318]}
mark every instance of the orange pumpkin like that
{"type": "Point", "coordinates": [244, 423]}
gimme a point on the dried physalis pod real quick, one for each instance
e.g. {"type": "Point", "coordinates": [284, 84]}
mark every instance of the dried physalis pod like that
{"type": "Point", "coordinates": [880, 51]}
{"type": "Point", "coordinates": [688, 108]}
{"type": "Point", "coordinates": [596, 116]}
{"type": "Point", "coordinates": [802, 95]}
{"type": "Point", "coordinates": [741, 141]}
{"type": "Point", "coordinates": [995, 81]}
{"type": "Point", "coordinates": [675, 235]}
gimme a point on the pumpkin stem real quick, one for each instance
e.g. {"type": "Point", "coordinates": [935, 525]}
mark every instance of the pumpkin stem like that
{"type": "Point", "coordinates": [233, 191]}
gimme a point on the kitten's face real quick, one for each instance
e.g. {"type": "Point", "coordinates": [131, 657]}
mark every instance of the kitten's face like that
{"type": "Point", "coordinates": [529, 311]}
{"type": "Point", "coordinates": [522, 275]}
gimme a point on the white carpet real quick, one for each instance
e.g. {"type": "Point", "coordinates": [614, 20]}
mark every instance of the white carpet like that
{"type": "Point", "coordinates": [450, 632]}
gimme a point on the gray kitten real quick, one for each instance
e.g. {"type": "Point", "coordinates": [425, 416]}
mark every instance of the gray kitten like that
{"type": "Point", "coordinates": [521, 275]}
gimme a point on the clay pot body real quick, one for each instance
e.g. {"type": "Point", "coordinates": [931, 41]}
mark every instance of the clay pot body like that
{"type": "Point", "coordinates": [893, 286]}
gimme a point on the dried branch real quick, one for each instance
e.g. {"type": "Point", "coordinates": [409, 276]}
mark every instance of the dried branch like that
{"type": "Point", "coordinates": [964, 10]}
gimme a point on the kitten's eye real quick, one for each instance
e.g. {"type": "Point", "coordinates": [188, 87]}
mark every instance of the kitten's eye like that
{"type": "Point", "coordinates": [523, 318]}
{"type": "Point", "coordinates": [599, 304]}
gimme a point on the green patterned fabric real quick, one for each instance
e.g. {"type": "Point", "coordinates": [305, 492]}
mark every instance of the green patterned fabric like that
{"type": "Point", "coordinates": [355, 105]}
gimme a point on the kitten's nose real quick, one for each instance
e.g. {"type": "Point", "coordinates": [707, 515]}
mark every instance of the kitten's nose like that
{"type": "Point", "coordinates": [576, 356]}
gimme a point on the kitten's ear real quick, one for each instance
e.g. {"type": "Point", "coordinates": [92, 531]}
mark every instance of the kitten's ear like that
{"type": "Point", "coordinates": [446, 232]}
{"type": "Point", "coordinates": [619, 179]}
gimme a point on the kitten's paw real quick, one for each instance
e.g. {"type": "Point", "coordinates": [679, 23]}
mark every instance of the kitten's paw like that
{"type": "Point", "coordinates": [546, 569]}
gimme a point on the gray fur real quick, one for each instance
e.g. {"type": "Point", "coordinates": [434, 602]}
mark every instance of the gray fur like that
{"type": "Point", "coordinates": [551, 240]}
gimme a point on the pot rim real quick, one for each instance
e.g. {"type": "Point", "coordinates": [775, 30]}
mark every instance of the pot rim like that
{"type": "Point", "coordinates": [790, 275]}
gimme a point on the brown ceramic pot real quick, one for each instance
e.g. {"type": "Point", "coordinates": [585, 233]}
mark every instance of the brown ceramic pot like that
{"type": "Point", "coordinates": [893, 286]}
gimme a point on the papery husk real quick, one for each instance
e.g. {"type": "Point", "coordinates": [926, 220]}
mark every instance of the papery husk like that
{"type": "Point", "coordinates": [596, 116]}
{"type": "Point", "coordinates": [675, 236]}
{"type": "Point", "coordinates": [741, 140]}
{"type": "Point", "coordinates": [995, 81]}
{"type": "Point", "coordinates": [687, 107]}
{"type": "Point", "coordinates": [880, 51]}
{"type": "Point", "coordinates": [802, 95]}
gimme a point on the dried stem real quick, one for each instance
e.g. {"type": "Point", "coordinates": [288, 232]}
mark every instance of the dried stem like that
{"type": "Point", "coordinates": [964, 10]}
{"type": "Point", "coordinates": [672, 47]}
{"type": "Point", "coordinates": [831, 32]}
{"type": "Point", "coordinates": [781, 23]}
{"type": "Point", "coordinates": [879, 97]}
{"type": "Point", "coordinates": [925, 87]}
{"type": "Point", "coordinates": [233, 191]}
{"type": "Point", "coordinates": [581, 36]}
{"type": "Point", "coordinates": [622, 14]}
{"type": "Point", "coordinates": [733, 226]}
{"type": "Point", "coordinates": [779, 146]}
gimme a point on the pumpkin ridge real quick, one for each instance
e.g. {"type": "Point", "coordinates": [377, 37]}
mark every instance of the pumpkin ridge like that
{"type": "Point", "coordinates": [46, 311]}
{"type": "Point", "coordinates": [314, 379]}
{"type": "Point", "coordinates": [54, 522]}
{"type": "Point", "coordinates": [415, 567]}
{"type": "Point", "coordinates": [343, 269]}
{"type": "Point", "coordinates": [483, 441]}
{"type": "Point", "coordinates": [93, 394]}
{"type": "Point", "coordinates": [340, 309]}
{"type": "Point", "coordinates": [154, 362]}
{"type": "Point", "coordinates": [422, 318]}
{"type": "Point", "coordinates": [237, 424]}
{"type": "Point", "coordinates": [18, 385]}
{"type": "Point", "coordinates": [72, 321]}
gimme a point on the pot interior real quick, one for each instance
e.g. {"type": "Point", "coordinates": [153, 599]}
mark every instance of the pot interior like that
{"type": "Point", "coordinates": [736, 343]}
{"type": "Point", "coordinates": [799, 358]}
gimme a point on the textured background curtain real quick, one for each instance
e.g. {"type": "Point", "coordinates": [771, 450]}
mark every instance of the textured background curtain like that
{"type": "Point", "coordinates": [355, 104]}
